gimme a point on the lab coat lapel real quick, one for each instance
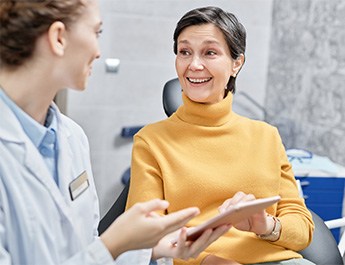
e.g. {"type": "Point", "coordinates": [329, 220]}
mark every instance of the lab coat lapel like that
{"type": "Point", "coordinates": [35, 164]}
{"type": "Point", "coordinates": [65, 162]}
{"type": "Point", "coordinates": [11, 131]}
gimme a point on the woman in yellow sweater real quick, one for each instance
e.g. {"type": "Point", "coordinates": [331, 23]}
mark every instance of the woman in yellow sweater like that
{"type": "Point", "coordinates": [208, 156]}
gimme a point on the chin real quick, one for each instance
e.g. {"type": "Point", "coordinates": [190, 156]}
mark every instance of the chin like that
{"type": "Point", "coordinates": [197, 97]}
{"type": "Point", "coordinates": [78, 87]}
{"type": "Point", "coordinates": [82, 88]}
{"type": "Point", "coordinates": [82, 85]}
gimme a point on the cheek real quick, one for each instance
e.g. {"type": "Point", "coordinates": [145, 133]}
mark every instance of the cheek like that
{"type": "Point", "coordinates": [176, 65]}
{"type": "Point", "coordinates": [180, 66]}
{"type": "Point", "coordinates": [225, 71]}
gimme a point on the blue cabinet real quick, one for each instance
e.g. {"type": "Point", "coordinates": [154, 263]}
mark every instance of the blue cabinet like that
{"type": "Point", "coordinates": [324, 195]}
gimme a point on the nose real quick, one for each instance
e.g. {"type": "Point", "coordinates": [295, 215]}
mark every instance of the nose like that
{"type": "Point", "coordinates": [196, 64]}
{"type": "Point", "coordinates": [97, 51]}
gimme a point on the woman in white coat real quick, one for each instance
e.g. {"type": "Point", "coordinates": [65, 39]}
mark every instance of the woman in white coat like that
{"type": "Point", "coordinates": [48, 203]}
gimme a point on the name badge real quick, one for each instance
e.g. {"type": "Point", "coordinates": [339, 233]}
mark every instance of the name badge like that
{"type": "Point", "coordinates": [78, 185]}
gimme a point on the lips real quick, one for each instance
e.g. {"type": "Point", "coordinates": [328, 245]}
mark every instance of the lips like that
{"type": "Point", "coordinates": [198, 80]}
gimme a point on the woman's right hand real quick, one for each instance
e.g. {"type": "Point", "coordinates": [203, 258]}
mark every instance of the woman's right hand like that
{"type": "Point", "coordinates": [259, 223]}
{"type": "Point", "coordinates": [140, 227]}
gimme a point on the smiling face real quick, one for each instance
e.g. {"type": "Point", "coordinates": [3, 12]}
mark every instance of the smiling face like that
{"type": "Point", "coordinates": [82, 46]}
{"type": "Point", "coordinates": [204, 64]}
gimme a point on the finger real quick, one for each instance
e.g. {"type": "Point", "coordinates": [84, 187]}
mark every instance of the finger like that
{"type": "Point", "coordinates": [153, 205]}
{"type": "Point", "coordinates": [201, 243]}
{"type": "Point", "coordinates": [207, 238]}
{"type": "Point", "coordinates": [232, 201]}
{"type": "Point", "coordinates": [248, 197]}
{"type": "Point", "coordinates": [238, 197]}
{"type": "Point", "coordinates": [176, 220]}
{"type": "Point", "coordinates": [219, 231]}
{"type": "Point", "coordinates": [182, 247]}
{"type": "Point", "coordinates": [182, 237]}
{"type": "Point", "coordinates": [153, 214]}
{"type": "Point", "coordinates": [224, 206]}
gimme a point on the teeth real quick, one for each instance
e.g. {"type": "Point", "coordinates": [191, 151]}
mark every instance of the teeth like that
{"type": "Point", "coordinates": [199, 80]}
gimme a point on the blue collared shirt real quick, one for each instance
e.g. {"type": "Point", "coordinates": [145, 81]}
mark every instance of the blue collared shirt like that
{"type": "Point", "coordinates": [43, 137]}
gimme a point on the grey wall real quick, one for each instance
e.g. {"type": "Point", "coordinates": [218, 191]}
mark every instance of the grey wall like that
{"type": "Point", "coordinates": [139, 33]}
{"type": "Point", "coordinates": [306, 77]}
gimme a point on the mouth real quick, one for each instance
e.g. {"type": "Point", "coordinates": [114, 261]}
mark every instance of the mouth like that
{"type": "Point", "coordinates": [198, 80]}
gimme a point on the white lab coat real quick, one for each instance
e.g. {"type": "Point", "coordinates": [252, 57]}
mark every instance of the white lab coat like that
{"type": "Point", "coordinates": [39, 222]}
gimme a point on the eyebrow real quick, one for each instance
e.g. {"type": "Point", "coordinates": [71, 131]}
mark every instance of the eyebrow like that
{"type": "Point", "coordinates": [204, 42]}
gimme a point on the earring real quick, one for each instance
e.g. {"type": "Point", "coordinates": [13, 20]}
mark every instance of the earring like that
{"type": "Point", "coordinates": [234, 75]}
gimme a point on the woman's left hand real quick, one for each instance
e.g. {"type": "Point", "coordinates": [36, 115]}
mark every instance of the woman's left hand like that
{"type": "Point", "coordinates": [259, 223]}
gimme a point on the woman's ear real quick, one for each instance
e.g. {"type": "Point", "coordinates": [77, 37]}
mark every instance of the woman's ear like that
{"type": "Point", "coordinates": [238, 63]}
{"type": "Point", "coordinates": [57, 38]}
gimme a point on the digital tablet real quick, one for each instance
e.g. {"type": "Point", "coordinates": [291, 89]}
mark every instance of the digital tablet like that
{"type": "Point", "coordinates": [232, 216]}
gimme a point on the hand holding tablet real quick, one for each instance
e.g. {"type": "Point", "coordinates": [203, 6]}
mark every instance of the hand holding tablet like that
{"type": "Point", "coordinates": [234, 215]}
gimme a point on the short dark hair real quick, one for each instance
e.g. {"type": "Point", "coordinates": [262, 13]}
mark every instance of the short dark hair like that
{"type": "Point", "coordinates": [233, 31]}
{"type": "Point", "coordinates": [22, 22]}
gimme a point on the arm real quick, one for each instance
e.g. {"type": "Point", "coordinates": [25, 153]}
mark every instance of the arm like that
{"type": "Point", "coordinates": [295, 219]}
{"type": "Point", "coordinates": [140, 227]}
{"type": "Point", "coordinates": [145, 172]}
{"type": "Point", "coordinates": [135, 229]}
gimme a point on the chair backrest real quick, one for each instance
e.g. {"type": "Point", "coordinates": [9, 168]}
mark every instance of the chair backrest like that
{"type": "Point", "coordinates": [323, 250]}
{"type": "Point", "coordinates": [115, 211]}
{"type": "Point", "coordinates": [172, 97]}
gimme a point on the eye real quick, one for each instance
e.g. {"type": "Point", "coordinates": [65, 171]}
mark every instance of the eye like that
{"type": "Point", "coordinates": [211, 52]}
{"type": "Point", "coordinates": [99, 32]}
{"type": "Point", "coordinates": [184, 52]}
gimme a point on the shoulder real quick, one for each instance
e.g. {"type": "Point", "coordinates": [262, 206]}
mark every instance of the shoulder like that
{"type": "Point", "coordinates": [72, 130]}
{"type": "Point", "coordinates": [65, 122]}
{"type": "Point", "coordinates": [71, 125]}
{"type": "Point", "coordinates": [257, 127]}
{"type": "Point", "coordinates": [155, 127]}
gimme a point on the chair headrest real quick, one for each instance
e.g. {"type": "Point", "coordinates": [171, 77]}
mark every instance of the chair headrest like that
{"type": "Point", "coordinates": [172, 96]}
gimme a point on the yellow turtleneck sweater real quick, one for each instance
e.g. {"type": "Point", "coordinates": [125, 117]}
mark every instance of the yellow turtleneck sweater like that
{"type": "Point", "coordinates": [202, 155]}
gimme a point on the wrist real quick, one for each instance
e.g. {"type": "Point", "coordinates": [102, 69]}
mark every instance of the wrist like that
{"type": "Point", "coordinates": [114, 247]}
{"type": "Point", "coordinates": [160, 251]}
{"type": "Point", "coordinates": [272, 234]}
{"type": "Point", "coordinates": [155, 253]}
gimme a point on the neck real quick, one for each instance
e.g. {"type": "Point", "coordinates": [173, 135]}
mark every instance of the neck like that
{"type": "Point", "coordinates": [31, 90]}
{"type": "Point", "coordinates": [210, 115]}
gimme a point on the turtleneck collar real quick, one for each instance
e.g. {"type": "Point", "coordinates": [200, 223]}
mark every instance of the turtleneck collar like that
{"type": "Point", "coordinates": [211, 115]}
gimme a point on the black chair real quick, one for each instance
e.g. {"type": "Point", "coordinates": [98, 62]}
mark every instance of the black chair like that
{"type": "Point", "coordinates": [115, 211]}
{"type": "Point", "coordinates": [323, 250]}
{"type": "Point", "coordinates": [172, 97]}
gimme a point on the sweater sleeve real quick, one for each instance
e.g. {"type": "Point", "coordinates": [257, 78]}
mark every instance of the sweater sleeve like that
{"type": "Point", "coordinates": [145, 181]}
{"type": "Point", "coordinates": [296, 220]}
